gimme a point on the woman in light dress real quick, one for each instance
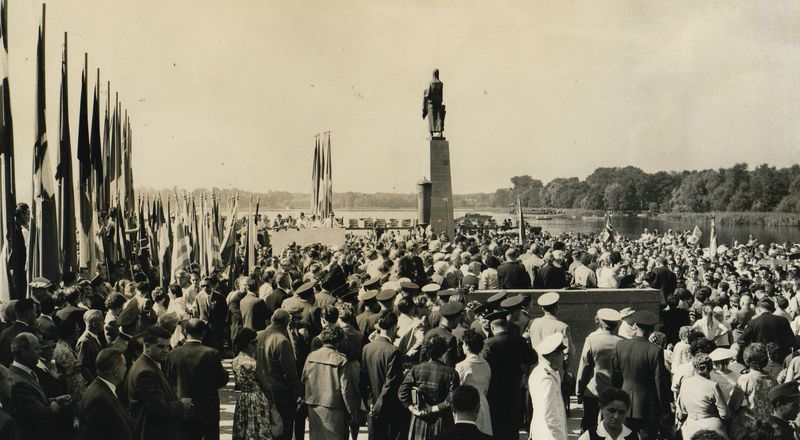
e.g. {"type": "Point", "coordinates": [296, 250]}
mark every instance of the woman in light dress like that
{"type": "Point", "coordinates": [475, 371]}
{"type": "Point", "coordinates": [701, 404]}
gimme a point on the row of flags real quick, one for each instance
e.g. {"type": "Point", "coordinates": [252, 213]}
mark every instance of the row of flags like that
{"type": "Point", "coordinates": [65, 233]}
{"type": "Point", "coordinates": [321, 183]}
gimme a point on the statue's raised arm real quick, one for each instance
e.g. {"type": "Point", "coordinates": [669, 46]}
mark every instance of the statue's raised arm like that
{"type": "Point", "coordinates": [432, 106]}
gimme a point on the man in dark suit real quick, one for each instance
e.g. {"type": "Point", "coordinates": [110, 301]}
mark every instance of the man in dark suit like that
{"type": "Point", "coordinates": [283, 285]}
{"type": "Point", "coordinates": [664, 280]}
{"type": "Point", "coordinates": [466, 404]}
{"type": "Point", "coordinates": [197, 373]}
{"type": "Point", "coordinates": [88, 346]}
{"type": "Point", "coordinates": [100, 412]}
{"type": "Point", "coordinates": [276, 370]}
{"type": "Point", "coordinates": [767, 327]}
{"type": "Point", "coordinates": [512, 274]}
{"type": "Point", "coordinates": [382, 365]}
{"type": "Point", "coordinates": [509, 356]}
{"type": "Point", "coordinates": [552, 274]}
{"type": "Point", "coordinates": [451, 317]}
{"type": "Point", "coordinates": [156, 410]}
{"type": "Point", "coordinates": [253, 308]}
{"type": "Point", "coordinates": [8, 428]}
{"type": "Point", "coordinates": [45, 322]}
{"type": "Point", "coordinates": [637, 367]}
{"type": "Point", "coordinates": [72, 312]}
{"type": "Point", "coordinates": [213, 309]}
{"type": "Point", "coordinates": [30, 407]}
{"type": "Point", "coordinates": [25, 323]}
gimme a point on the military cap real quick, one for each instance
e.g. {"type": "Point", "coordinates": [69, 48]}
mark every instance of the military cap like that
{"type": "Point", "coordinates": [431, 288]}
{"type": "Point", "coordinates": [304, 288]}
{"type": "Point", "coordinates": [293, 307]}
{"type": "Point", "coordinates": [610, 315]}
{"type": "Point", "coordinates": [497, 298]}
{"type": "Point", "coordinates": [480, 309]}
{"type": "Point", "coordinates": [498, 314]}
{"type": "Point", "coordinates": [409, 287]}
{"type": "Point", "coordinates": [386, 294]}
{"type": "Point", "coordinates": [512, 302]}
{"type": "Point", "coordinates": [367, 295]}
{"type": "Point", "coordinates": [626, 312]}
{"type": "Point", "coordinates": [40, 283]}
{"type": "Point", "coordinates": [720, 354]}
{"type": "Point", "coordinates": [644, 317]}
{"type": "Point", "coordinates": [548, 299]}
{"type": "Point", "coordinates": [374, 279]}
{"type": "Point", "coordinates": [446, 293]}
{"type": "Point", "coordinates": [550, 343]}
{"type": "Point", "coordinates": [783, 391]}
{"type": "Point", "coordinates": [451, 309]}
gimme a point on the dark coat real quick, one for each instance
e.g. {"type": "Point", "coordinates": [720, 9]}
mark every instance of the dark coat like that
{"type": "Point", "coordinates": [102, 416]}
{"type": "Point", "coordinates": [382, 364]}
{"type": "Point", "coordinates": [671, 322]}
{"type": "Point", "coordinates": [665, 280]}
{"type": "Point", "coordinates": [196, 371]}
{"type": "Point", "coordinates": [17, 262]}
{"type": "Point", "coordinates": [47, 326]}
{"type": "Point", "coordinates": [154, 405]}
{"type": "Point", "coordinates": [8, 335]}
{"type": "Point", "coordinates": [512, 275]}
{"type": "Point", "coordinates": [509, 356]}
{"type": "Point", "coordinates": [88, 347]}
{"type": "Point", "coordinates": [276, 367]}
{"type": "Point", "coordinates": [637, 367]}
{"type": "Point", "coordinates": [463, 431]}
{"type": "Point", "coordinates": [551, 276]}
{"type": "Point", "coordinates": [8, 428]}
{"type": "Point", "coordinates": [72, 313]}
{"type": "Point", "coordinates": [274, 300]}
{"type": "Point", "coordinates": [254, 312]}
{"type": "Point", "coordinates": [30, 406]}
{"type": "Point", "coordinates": [767, 328]}
{"type": "Point", "coordinates": [453, 354]}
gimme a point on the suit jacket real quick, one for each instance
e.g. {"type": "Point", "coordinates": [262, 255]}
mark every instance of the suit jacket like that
{"type": "Point", "coordinates": [102, 416]}
{"type": "Point", "coordinates": [30, 406]}
{"type": "Point", "coordinates": [637, 367]}
{"type": "Point", "coordinates": [47, 326]}
{"type": "Point", "coordinates": [309, 316]}
{"type": "Point", "coordinates": [382, 364]}
{"type": "Point", "coordinates": [550, 276]}
{"type": "Point", "coordinates": [154, 406]}
{"type": "Point", "coordinates": [196, 371]}
{"type": "Point", "coordinates": [88, 347]}
{"type": "Point", "coordinates": [276, 368]}
{"type": "Point", "coordinates": [594, 369]}
{"type": "Point", "coordinates": [767, 328]}
{"type": "Point", "coordinates": [508, 356]}
{"type": "Point", "coordinates": [453, 354]}
{"type": "Point", "coordinates": [8, 335]}
{"type": "Point", "coordinates": [8, 428]}
{"type": "Point", "coordinates": [254, 312]}
{"type": "Point", "coordinates": [463, 431]}
{"type": "Point", "coordinates": [215, 311]}
{"type": "Point", "coordinates": [665, 280]}
{"type": "Point", "coordinates": [274, 300]}
{"type": "Point", "coordinates": [72, 313]}
{"type": "Point", "coordinates": [512, 275]}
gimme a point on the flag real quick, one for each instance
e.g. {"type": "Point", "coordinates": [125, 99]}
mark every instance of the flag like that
{"type": "Point", "coordinates": [608, 232]}
{"type": "Point", "coordinates": [96, 149]}
{"type": "Point", "coordinates": [315, 179]}
{"type": "Point", "coordinates": [12, 252]}
{"type": "Point", "coordinates": [228, 245]}
{"type": "Point", "coordinates": [85, 180]}
{"type": "Point", "coordinates": [106, 174]}
{"type": "Point", "coordinates": [697, 234]}
{"type": "Point", "coordinates": [252, 239]}
{"type": "Point", "coordinates": [181, 250]}
{"type": "Point", "coordinates": [165, 250]}
{"type": "Point", "coordinates": [66, 191]}
{"type": "Point", "coordinates": [328, 179]}
{"type": "Point", "coordinates": [521, 222]}
{"type": "Point", "coordinates": [43, 256]}
{"type": "Point", "coordinates": [712, 244]}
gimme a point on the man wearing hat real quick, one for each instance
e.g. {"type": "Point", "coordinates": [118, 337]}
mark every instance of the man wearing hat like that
{"type": "Point", "coordinates": [549, 324]}
{"type": "Point", "coordinates": [451, 316]}
{"type": "Point", "coordinates": [309, 313]}
{"type": "Point", "coordinates": [594, 367]}
{"type": "Point", "coordinates": [518, 319]}
{"type": "Point", "coordinates": [785, 400]}
{"type": "Point", "coordinates": [549, 421]}
{"type": "Point", "coordinates": [637, 367]}
{"type": "Point", "coordinates": [366, 320]}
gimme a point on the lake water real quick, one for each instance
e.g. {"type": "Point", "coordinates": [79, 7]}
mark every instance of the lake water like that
{"type": "Point", "coordinates": [627, 226]}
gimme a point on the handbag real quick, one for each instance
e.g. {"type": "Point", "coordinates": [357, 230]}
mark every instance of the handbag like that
{"type": "Point", "coordinates": [276, 423]}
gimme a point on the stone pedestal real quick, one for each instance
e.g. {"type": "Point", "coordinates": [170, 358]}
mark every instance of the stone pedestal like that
{"type": "Point", "coordinates": [441, 188]}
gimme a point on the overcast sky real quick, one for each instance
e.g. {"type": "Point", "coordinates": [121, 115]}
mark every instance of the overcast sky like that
{"type": "Point", "coordinates": [230, 94]}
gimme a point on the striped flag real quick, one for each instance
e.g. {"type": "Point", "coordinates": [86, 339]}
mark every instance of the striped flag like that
{"type": "Point", "coordinates": [697, 234]}
{"type": "Point", "coordinates": [165, 249]}
{"type": "Point", "coordinates": [12, 285]}
{"type": "Point", "coordinates": [181, 250]}
{"type": "Point", "coordinates": [43, 256]}
{"type": "Point", "coordinates": [712, 245]}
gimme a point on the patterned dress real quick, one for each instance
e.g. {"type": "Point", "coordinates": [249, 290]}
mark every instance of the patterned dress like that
{"type": "Point", "coordinates": [425, 385]}
{"type": "Point", "coordinates": [755, 405]}
{"type": "Point", "coordinates": [255, 417]}
{"type": "Point", "coordinates": [69, 367]}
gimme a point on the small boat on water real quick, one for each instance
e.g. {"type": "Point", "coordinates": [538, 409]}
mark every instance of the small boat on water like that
{"type": "Point", "coordinates": [543, 217]}
{"type": "Point", "coordinates": [592, 217]}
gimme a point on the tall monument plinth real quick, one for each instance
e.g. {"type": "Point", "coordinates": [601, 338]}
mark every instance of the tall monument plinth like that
{"type": "Point", "coordinates": [434, 110]}
{"type": "Point", "coordinates": [442, 219]}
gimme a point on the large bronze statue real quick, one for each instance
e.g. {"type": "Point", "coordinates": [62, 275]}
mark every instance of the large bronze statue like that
{"type": "Point", "coordinates": [432, 106]}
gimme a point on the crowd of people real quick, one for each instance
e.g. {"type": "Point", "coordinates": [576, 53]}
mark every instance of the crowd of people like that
{"type": "Point", "coordinates": [387, 332]}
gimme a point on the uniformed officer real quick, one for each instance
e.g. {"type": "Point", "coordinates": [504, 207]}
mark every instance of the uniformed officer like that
{"type": "Point", "coordinates": [451, 316]}
{"type": "Point", "coordinates": [549, 421]}
{"type": "Point", "coordinates": [517, 318]}
{"type": "Point", "coordinates": [549, 324]}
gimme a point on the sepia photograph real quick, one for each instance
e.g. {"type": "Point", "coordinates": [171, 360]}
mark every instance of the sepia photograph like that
{"type": "Point", "coordinates": [412, 220]}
